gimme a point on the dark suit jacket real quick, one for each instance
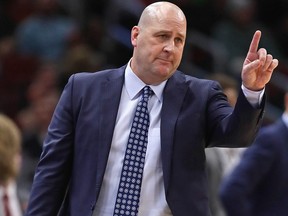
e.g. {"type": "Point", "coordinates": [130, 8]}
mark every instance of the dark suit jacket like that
{"type": "Point", "coordinates": [259, 184]}
{"type": "Point", "coordinates": [195, 113]}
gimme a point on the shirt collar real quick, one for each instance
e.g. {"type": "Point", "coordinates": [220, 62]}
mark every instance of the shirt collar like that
{"type": "Point", "coordinates": [133, 84]}
{"type": "Point", "coordinates": [10, 189]}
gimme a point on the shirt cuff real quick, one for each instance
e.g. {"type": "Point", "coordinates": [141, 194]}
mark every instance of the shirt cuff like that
{"type": "Point", "coordinates": [253, 97]}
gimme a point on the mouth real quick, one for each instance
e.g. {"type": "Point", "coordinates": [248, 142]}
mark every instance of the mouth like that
{"type": "Point", "coordinates": [165, 61]}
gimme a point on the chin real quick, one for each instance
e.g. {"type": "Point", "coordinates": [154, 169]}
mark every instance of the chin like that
{"type": "Point", "coordinates": [163, 71]}
{"type": "Point", "coordinates": [166, 75]}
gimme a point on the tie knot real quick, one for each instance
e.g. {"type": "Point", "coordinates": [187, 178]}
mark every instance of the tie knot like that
{"type": "Point", "coordinates": [147, 92]}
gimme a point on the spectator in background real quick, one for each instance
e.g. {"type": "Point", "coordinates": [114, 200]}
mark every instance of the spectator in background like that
{"type": "Point", "coordinates": [46, 33]}
{"type": "Point", "coordinates": [241, 21]}
{"type": "Point", "coordinates": [120, 17]}
{"type": "Point", "coordinates": [281, 33]}
{"type": "Point", "coordinates": [16, 72]}
{"type": "Point", "coordinates": [42, 96]}
{"type": "Point", "coordinates": [259, 184]}
{"type": "Point", "coordinates": [198, 10]}
{"type": "Point", "coordinates": [6, 22]}
{"type": "Point", "coordinates": [11, 203]}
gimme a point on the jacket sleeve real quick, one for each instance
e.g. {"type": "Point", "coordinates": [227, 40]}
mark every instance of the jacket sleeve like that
{"type": "Point", "coordinates": [52, 174]}
{"type": "Point", "coordinates": [237, 191]}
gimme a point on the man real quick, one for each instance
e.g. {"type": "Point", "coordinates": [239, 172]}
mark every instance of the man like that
{"type": "Point", "coordinates": [10, 162]}
{"type": "Point", "coordinates": [81, 162]}
{"type": "Point", "coordinates": [258, 185]}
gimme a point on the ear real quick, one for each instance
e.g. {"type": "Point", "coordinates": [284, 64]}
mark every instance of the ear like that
{"type": "Point", "coordinates": [134, 35]}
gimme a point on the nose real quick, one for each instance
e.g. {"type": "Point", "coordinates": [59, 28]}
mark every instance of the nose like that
{"type": "Point", "coordinates": [169, 46]}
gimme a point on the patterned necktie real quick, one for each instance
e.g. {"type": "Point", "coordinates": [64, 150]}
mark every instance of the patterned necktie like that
{"type": "Point", "coordinates": [5, 200]}
{"type": "Point", "coordinates": [127, 201]}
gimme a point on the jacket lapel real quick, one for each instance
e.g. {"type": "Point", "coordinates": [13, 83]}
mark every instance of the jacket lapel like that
{"type": "Point", "coordinates": [173, 97]}
{"type": "Point", "coordinates": [111, 94]}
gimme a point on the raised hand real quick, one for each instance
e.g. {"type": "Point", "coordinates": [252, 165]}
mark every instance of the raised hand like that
{"type": "Point", "coordinates": [258, 66]}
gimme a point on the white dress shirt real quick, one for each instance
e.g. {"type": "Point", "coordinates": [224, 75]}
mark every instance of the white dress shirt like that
{"type": "Point", "coordinates": [152, 198]}
{"type": "Point", "coordinates": [14, 205]}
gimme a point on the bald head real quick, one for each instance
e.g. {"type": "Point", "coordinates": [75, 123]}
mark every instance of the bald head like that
{"type": "Point", "coordinates": [158, 42]}
{"type": "Point", "coordinates": [158, 11]}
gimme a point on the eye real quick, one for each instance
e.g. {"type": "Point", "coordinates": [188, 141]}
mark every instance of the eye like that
{"type": "Point", "coordinates": [179, 40]}
{"type": "Point", "coordinates": [163, 36]}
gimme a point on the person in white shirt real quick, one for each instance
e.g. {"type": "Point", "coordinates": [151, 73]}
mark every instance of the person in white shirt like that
{"type": "Point", "coordinates": [10, 163]}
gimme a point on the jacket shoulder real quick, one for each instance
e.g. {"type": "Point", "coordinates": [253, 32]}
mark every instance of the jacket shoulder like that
{"type": "Point", "coordinates": [102, 74]}
{"type": "Point", "coordinates": [200, 84]}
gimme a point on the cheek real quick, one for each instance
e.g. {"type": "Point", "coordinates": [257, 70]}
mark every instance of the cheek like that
{"type": "Point", "coordinates": [178, 56]}
{"type": "Point", "coordinates": [17, 161]}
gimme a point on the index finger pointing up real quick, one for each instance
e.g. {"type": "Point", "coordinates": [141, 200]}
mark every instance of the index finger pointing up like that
{"type": "Point", "coordinates": [255, 42]}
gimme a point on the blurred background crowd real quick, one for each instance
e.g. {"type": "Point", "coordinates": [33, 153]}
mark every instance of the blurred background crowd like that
{"type": "Point", "coordinates": [43, 42]}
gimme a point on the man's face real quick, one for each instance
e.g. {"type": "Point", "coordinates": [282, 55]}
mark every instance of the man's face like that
{"type": "Point", "coordinates": [158, 47]}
